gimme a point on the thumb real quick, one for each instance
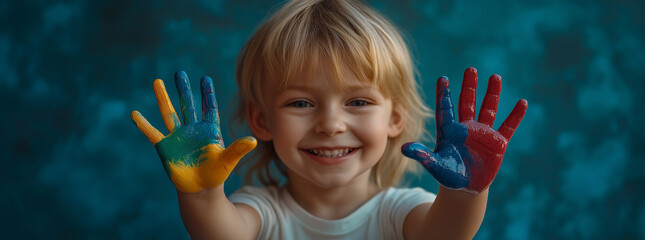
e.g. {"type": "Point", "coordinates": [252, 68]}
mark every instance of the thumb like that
{"type": "Point", "coordinates": [216, 171]}
{"type": "Point", "coordinates": [450, 171]}
{"type": "Point", "coordinates": [234, 152]}
{"type": "Point", "coordinates": [419, 152]}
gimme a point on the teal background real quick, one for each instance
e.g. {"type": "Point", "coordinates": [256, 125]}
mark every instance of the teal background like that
{"type": "Point", "coordinates": [75, 167]}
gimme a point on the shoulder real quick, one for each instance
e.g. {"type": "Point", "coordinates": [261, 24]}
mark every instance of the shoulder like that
{"type": "Point", "coordinates": [262, 191]}
{"type": "Point", "coordinates": [414, 196]}
{"type": "Point", "coordinates": [265, 202]}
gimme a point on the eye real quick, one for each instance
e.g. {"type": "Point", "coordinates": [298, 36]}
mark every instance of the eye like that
{"type": "Point", "coordinates": [300, 104]}
{"type": "Point", "coordinates": [357, 103]}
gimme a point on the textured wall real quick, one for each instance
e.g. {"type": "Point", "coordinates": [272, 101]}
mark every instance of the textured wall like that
{"type": "Point", "coordinates": [76, 167]}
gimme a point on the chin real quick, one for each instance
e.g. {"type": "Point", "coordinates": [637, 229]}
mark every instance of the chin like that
{"type": "Point", "coordinates": [333, 181]}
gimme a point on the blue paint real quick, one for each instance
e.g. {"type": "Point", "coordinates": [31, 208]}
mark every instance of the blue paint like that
{"type": "Point", "coordinates": [186, 100]}
{"type": "Point", "coordinates": [209, 101]}
{"type": "Point", "coordinates": [451, 137]}
{"type": "Point", "coordinates": [444, 108]}
{"type": "Point", "coordinates": [447, 166]}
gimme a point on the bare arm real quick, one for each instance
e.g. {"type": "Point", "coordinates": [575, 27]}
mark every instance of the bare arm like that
{"type": "Point", "coordinates": [210, 215]}
{"type": "Point", "coordinates": [453, 215]}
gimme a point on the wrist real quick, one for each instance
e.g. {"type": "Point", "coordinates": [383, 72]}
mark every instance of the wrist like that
{"type": "Point", "coordinates": [461, 195]}
{"type": "Point", "coordinates": [206, 193]}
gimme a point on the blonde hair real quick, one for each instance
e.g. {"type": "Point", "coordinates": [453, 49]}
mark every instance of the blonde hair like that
{"type": "Point", "coordinates": [305, 34]}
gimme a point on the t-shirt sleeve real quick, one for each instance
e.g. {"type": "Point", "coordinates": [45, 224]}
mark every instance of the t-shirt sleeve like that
{"type": "Point", "coordinates": [264, 201]}
{"type": "Point", "coordinates": [399, 203]}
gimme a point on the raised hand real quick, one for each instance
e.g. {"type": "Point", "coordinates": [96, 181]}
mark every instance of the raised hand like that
{"type": "Point", "coordinates": [468, 153]}
{"type": "Point", "coordinates": [193, 154]}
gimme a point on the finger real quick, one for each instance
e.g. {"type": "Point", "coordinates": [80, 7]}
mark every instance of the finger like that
{"type": "Point", "coordinates": [449, 171]}
{"type": "Point", "coordinates": [233, 153]}
{"type": "Point", "coordinates": [151, 132]}
{"type": "Point", "coordinates": [217, 164]}
{"type": "Point", "coordinates": [513, 120]}
{"type": "Point", "coordinates": [445, 113]}
{"type": "Point", "coordinates": [209, 102]}
{"type": "Point", "coordinates": [168, 112]}
{"type": "Point", "coordinates": [468, 95]}
{"type": "Point", "coordinates": [185, 97]}
{"type": "Point", "coordinates": [491, 100]}
{"type": "Point", "coordinates": [419, 152]}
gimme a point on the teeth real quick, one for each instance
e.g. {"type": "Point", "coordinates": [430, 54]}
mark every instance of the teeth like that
{"type": "Point", "coordinates": [330, 153]}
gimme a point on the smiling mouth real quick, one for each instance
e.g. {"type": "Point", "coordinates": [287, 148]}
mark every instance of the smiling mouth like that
{"type": "Point", "coordinates": [331, 153]}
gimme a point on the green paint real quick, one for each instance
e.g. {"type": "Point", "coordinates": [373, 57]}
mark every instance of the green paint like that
{"type": "Point", "coordinates": [175, 120]}
{"type": "Point", "coordinates": [185, 143]}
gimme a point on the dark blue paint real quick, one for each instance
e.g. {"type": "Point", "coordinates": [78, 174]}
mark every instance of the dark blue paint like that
{"type": "Point", "coordinates": [450, 161]}
{"type": "Point", "coordinates": [444, 108]}
{"type": "Point", "coordinates": [186, 100]}
{"type": "Point", "coordinates": [447, 166]}
{"type": "Point", "coordinates": [209, 101]}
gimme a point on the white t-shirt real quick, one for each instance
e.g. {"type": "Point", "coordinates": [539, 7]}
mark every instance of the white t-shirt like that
{"type": "Point", "coordinates": [381, 217]}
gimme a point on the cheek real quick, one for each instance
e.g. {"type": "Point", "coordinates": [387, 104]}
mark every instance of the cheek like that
{"type": "Point", "coordinates": [287, 131]}
{"type": "Point", "coordinates": [373, 130]}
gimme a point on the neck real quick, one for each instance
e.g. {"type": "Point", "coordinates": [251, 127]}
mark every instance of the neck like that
{"type": "Point", "coordinates": [332, 202]}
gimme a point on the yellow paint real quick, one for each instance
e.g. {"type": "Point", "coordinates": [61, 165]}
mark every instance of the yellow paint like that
{"type": "Point", "coordinates": [185, 177]}
{"type": "Point", "coordinates": [213, 169]}
{"type": "Point", "coordinates": [168, 112]}
{"type": "Point", "coordinates": [153, 135]}
{"type": "Point", "coordinates": [216, 164]}
{"type": "Point", "coordinates": [239, 148]}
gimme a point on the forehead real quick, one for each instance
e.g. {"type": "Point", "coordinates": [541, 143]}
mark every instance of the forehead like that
{"type": "Point", "coordinates": [326, 79]}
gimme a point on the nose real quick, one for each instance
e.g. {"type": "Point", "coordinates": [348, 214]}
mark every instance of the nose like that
{"type": "Point", "coordinates": [330, 121]}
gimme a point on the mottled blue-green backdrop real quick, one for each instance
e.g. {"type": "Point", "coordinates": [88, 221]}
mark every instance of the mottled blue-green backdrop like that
{"type": "Point", "coordinates": [76, 167]}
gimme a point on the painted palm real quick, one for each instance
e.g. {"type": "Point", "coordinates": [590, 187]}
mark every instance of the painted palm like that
{"type": "Point", "coordinates": [193, 154]}
{"type": "Point", "coordinates": [468, 153]}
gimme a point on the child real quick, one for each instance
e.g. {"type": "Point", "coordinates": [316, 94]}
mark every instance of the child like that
{"type": "Point", "coordinates": [328, 88]}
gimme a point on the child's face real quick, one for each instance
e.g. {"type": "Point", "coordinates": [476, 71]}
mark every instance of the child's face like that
{"type": "Point", "coordinates": [327, 136]}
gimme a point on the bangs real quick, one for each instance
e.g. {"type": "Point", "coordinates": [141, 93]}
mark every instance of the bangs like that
{"type": "Point", "coordinates": [333, 38]}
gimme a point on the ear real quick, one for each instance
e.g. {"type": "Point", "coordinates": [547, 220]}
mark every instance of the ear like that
{"type": "Point", "coordinates": [397, 122]}
{"type": "Point", "coordinates": [257, 121]}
